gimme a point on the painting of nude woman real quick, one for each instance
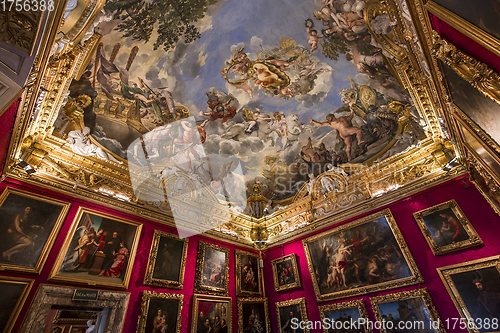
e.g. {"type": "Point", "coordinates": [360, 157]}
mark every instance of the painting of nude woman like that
{"type": "Point", "coordinates": [212, 269]}
{"type": "Point", "coordinates": [30, 224]}
{"type": "Point", "coordinates": [362, 256]}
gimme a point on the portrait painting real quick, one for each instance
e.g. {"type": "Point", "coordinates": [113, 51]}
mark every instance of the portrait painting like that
{"type": "Point", "coordinates": [253, 315]}
{"type": "Point", "coordinates": [99, 249]}
{"type": "Point", "coordinates": [160, 313]}
{"type": "Point", "coordinates": [30, 223]}
{"type": "Point", "coordinates": [285, 273]}
{"type": "Point", "coordinates": [212, 269]}
{"type": "Point", "coordinates": [335, 315]}
{"type": "Point", "coordinates": [14, 292]}
{"type": "Point", "coordinates": [167, 260]}
{"type": "Point", "coordinates": [289, 310]}
{"type": "Point", "coordinates": [362, 256]}
{"type": "Point", "coordinates": [407, 309]}
{"type": "Point", "coordinates": [211, 314]}
{"type": "Point", "coordinates": [247, 273]}
{"type": "Point", "coordinates": [474, 287]}
{"type": "Point", "coordinates": [446, 228]}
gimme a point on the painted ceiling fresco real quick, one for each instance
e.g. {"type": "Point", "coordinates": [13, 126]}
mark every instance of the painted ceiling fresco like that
{"type": "Point", "coordinates": [237, 93]}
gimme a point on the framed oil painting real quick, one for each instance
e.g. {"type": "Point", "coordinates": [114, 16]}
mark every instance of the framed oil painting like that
{"type": "Point", "coordinates": [362, 256]}
{"type": "Point", "coordinates": [253, 315]}
{"type": "Point", "coordinates": [212, 269]}
{"type": "Point", "coordinates": [78, 329]}
{"type": "Point", "coordinates": [211, 314]}
{"type": "Point", "coordinates": [167, 260]}
{"type": "Point", "coordinates": [412, 309]}
{"type": "Point", "coordinates": [474, 287]}
{"type": "Point", "coordinates": [446, 228]}
{"type": "Point", "coordinates": [290, 310]}
{"type": "Point", "coordinates": [247, 274]}
{"type": "Point", "coordinates": [160, 312]}
{"type": "Point", "coordinates": [99, 249]}
{"type": "Point", "coordinates": [335, 315]}
{"type": "Point", "coordinates": [14, 292]}
{"type": "Point", "coordinates": [30, 223]}
{"type": "Point", "coordinates": [285, 273]}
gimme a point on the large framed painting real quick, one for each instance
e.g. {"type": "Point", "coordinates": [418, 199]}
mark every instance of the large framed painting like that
{"type": "Point", "coordinates": [247, 274]}
{"type": "Point", "coordinates": [286, 273]}
{"type": "Point", "coordinates": [253, 315]}
{"type": "Point", "coordinates": [446, 228]}
{"type": "Point", "coordinates": [212, 269]}
{"type": "Point", "coordinates": [211, 314]}
{"type": "Point", "coordinates": [167, 261]}
{"type": "Point", "coordinates": [365, 255]}
{"type": "Point", "coordinates": [14, 292]}
{"type": "Point", "coordinates": [30, 225]}
{"type": "Point", "coordinates": [98, 250]}
{"type": "Point", "coordinates": [292, 313]}
{"type": "Point", "coordinates": [474, 287]}
{"type": "Point", "coordinates": [336, 316]}
{"type": "Point", "coordinates": [160, 312]}
{"type": "Point", "coordinates": [412, 309]}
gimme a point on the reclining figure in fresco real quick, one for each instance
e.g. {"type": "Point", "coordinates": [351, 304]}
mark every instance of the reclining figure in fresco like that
{"type": "Point", "coordinates": [81, 145]}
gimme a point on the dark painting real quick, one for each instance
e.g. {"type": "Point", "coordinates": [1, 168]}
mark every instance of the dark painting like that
{"type": "Point", "coordinates": [404, 312]}
{"type": "Point", "coordinates": [254, 317]}
{"type": "Point", "coordinates": [286, 273]}
{"type": "Point", "coordinates": [214, 267]}
{"type": "Point", "coordinates": [212, 317]}
{"type": "Point", "coordinates": [11, 292]}
{"type": "Point", "coordinates": [343, 316]}
{"type": "Point", "coordinates": [162, 315]}
{"type": "Point", "coordinates": [169, 259]}
{"type": "Point", "coordinates": [445, 227]}
{"type": "Point", "coordinates": [248, 273]}
{"type": "Point", "coordinates": [287, 313]}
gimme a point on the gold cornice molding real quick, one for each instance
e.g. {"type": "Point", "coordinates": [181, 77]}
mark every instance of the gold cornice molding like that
{"type": "Point", "coordinates": [80, 19]}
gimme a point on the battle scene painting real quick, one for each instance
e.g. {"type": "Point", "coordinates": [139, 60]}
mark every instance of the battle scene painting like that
{"type": "Point", "coordinates": [275, 94]}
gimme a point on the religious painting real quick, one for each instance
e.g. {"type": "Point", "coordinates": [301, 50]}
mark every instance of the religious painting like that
{"type": "Point", "coordinates": [99, 249]}
{"type": "Point", "coordinates": [160, 312]}
{"type": "Point", "coordinates": [334, 316]}
{"type": "Point", "coordinates": [412, 309]}
{"type": "Point", "coordinates": [362, 256]}
{"type": "Point", "coordinates": [286, 273]}
{"type": "Point", "coordinates": [475, 289]}
{"type": "Point", "coordinates": [290, 312]}
{"type": "Point", "coordinates": [247, 274]}
{"type": "Point", "coordinates": [14, 292]}
{"type": "Point", "coordinates": [30, 223]}
{"type": "Point", "coordinates": [211, 314]}
{"type": "Point", "coordinates": [446, 228]}
{"type": "Point", "coordinates": [212, 269]}
{"type": "Point", "coordinates": [167, 261]}
{"type": "Point", "coordinates": [253, 315]}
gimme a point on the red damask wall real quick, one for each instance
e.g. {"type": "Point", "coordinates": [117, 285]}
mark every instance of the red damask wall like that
{"type": "Point", "coordinates": [6, 126]}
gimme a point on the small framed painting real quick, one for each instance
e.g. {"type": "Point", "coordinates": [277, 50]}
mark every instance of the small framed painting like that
{"type": "Point", "coordinates": [247, 274]}
{"type": "Point", "coordinates": [212, 269]}
{"type": "Point", "coordinates": [160, 312]}
{"type": "Point", "coordinates": [253, 315]}
{"type": "Point", "coordinates": [333, 317]}
{"type": "Point", "coordinates": [211, 314]}
{"type": "Point", "coordinates": [285, 273]}
{"type": "Point", "coordinates": [290, 312]}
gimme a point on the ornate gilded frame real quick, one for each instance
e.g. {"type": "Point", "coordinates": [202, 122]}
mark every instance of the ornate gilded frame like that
{"type": "Point", "coordinates": [474, 239]}
{"type": "Point", "coordinates": [355, 304]}
{"type": "Point", "coordinates": [197, 298]}
{"type": "Point", "coordinates": [20, 302]}
{"type": "Point", "coordinates": [52, 236]}
{"type": "Point", "coordinates": [238, 273]}
{"type": "Point", "coordinates": [200, 260]}
{"type": "Point", "coordinates": [56, 276]}
{"type": "Point", "coordinates": [153, 254]}
{"type": "Point", "coordinates": [422, 293]}
{"type": "Point", "coordinates": [414, 279]}
{"type": "Point", "coordinates": [275, 262]}
{"type": "Point", "coordinates": [303, 310]}
{"type": "Point", "coordinates": [146, 298]}
{"type": "Point", "coordinates": [446, 272]}
{"type": "Point", "coordinates": [242, 301]}
{"type": "Point", "coordinates": [77, 326]}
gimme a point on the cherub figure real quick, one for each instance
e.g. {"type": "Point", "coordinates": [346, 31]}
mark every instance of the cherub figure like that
{"type": "Point", "coordinates": [241, 61]}
{"type": "Point", "coordinates": [283, 64]}
{"type": "Point", "coordinates": [251, 118]}
{"type": "Point", "coordinates": [313, 38]}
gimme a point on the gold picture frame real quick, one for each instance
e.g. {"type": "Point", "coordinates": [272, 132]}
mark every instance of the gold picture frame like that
{"type": "Point", "coordinates": [465, 275]}
{"type": "Point", "coordinates": [242, 313]}
{"type": "Point", "coordinates": [357, 304]}
{"type": "Point", "coordinates": [294, 307]}
{"type": "Point", "coordinates": [426, 301]}
{"type": "Point", "coordinates": [154, 280]}
{"type": "Point", "coordinates": [46, 241]}
{"type": "Point", "coordinates": [247, 279]}
{"type": "Point", "coordinates": [223, 310]}
{"type": "Point", "coordinates": [15, 308]}
{"type": "Point", "coordinates": [147, 316]}
{"type": "Point", "coordinates": [205, 281]}
{"type": "Point", "coordinates": [291, 261]}
{"type": "Point", "coordinates": [123, 257]}
{"type": "Point", "coordinates": [383, 225]}
{"type": "Point", "coordinates": [77, 328]}
{"type": "Point", "coordinates": [463, 226]}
